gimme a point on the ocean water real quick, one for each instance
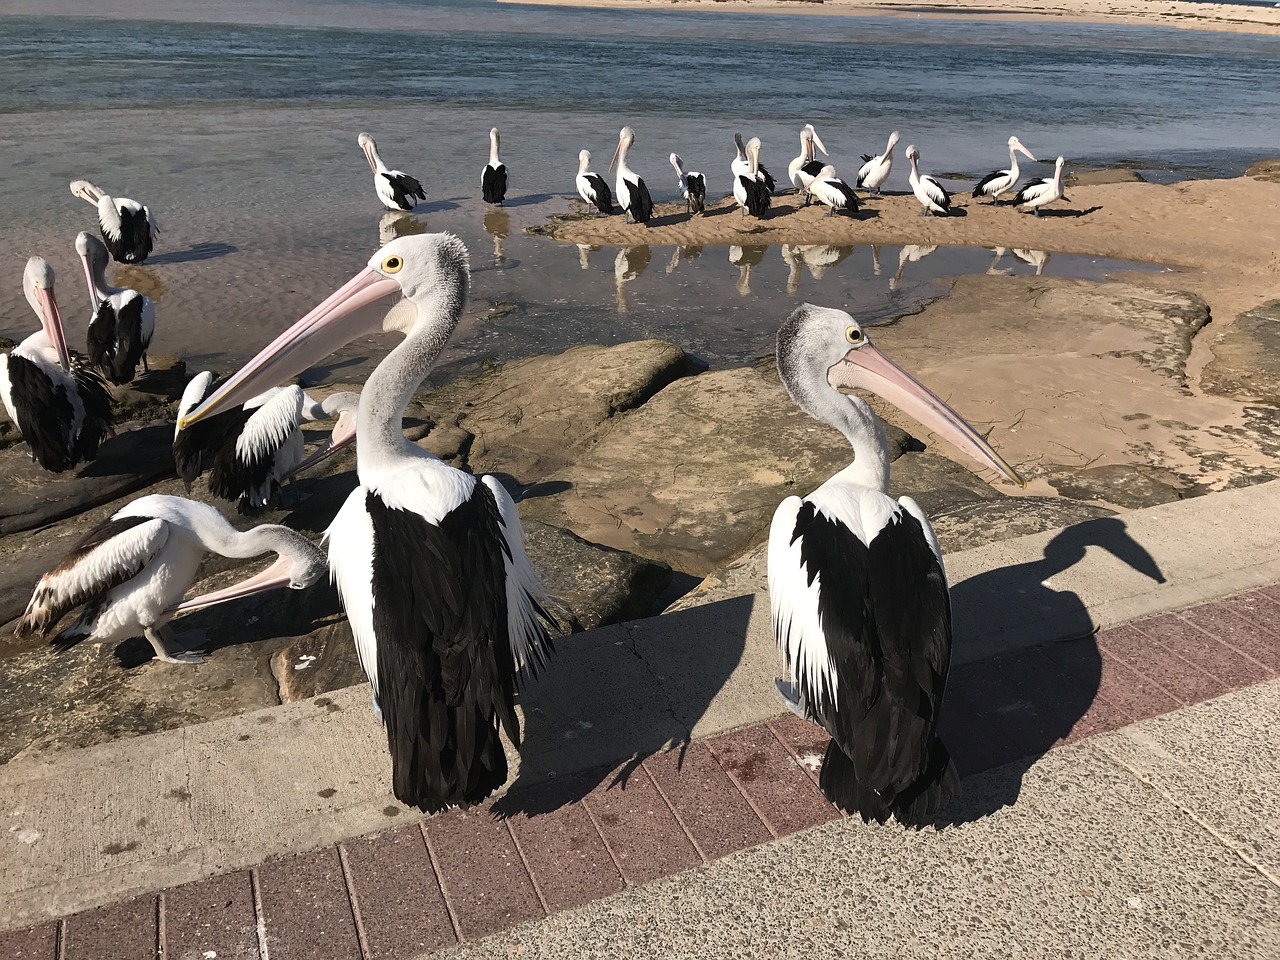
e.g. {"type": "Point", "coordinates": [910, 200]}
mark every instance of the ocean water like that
{"type": "Point", "coordinates": [241, 137]}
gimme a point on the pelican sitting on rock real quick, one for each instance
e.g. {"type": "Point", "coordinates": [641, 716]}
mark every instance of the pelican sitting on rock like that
{"type": "Point", "coordinates": [693, 186]}
{"type": "Point", "coordinates": [1035, 194]}
{"type": "Point", "coordinates": [123, 320]}
{"type": "Point", "coordinates": [806, 168]}
{"type": "Point", "coordinates": [395, 188]}
{"type": "Point", "coordinates": [591, 186]}
{"type": "Point", "coordinates": [875, 170]}
{"type": "Point", "coordinates": [128, 228]}
{"type": "Point", "coordinates": [931, 194]}
{"type": "Point", "coordinates": [1002, 181]}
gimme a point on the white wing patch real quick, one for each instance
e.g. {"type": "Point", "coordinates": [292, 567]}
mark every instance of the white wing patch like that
{"type": "Point", "coordinates": [265, 432]}
{"type": "Point", "coordinates": [524, 630]}
{"type": "Point", "coordinates": [930, 537]}
{"type": "Point", "coordinates": [350, 540]}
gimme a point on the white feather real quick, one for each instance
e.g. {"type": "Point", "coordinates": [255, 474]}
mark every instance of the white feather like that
{"type": "Point", "coordinates": [351, 548]}
{"type": "Point", "coordinates": [523, 585]}
{"type": "Point", "coordinates": [278, 413]}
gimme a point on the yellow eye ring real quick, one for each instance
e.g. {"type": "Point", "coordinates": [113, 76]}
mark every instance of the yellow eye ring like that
{"type": "Point", "coordinates": [854, 335]}
{"type": "Point", "coordinates": [392, 264]}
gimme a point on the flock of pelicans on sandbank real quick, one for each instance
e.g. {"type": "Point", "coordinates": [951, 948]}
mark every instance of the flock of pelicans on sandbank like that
{"type": "Point", "coordinates": [447, 612]}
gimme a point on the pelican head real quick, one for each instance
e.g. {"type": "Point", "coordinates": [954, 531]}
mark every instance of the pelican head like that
{"type": "Point", "coordinates": [94, 258]}
{"type": "Point", "coordinates": [811, 138]}
{"type": "Point", "coordinates": [584, 160]}
{"type": "Point", "coordinates": [1016, 144]}
{"type": "Point", "coordinates": [86, 191]}
{"type": "Point", "coordinates": [370, 151]}
{"type": "Point", "coordinates": [300, 564]}
{"type": "Point", "coordinates": [820, 346]}
{"type": "Point", "coordinates": [893, 142]}
{"type": "Point", "coordinates": [626, 137]}
{"type": "Point", "coordinates": [912, 152]}
{"type": "Point", "coordinates": [428, 268]}
{"type": "Point", "coordinates": [678, 163]}
{"type": "Point", "coordinates": [494, 143]}
{"type": "Point", "coordinates": [37, 284]}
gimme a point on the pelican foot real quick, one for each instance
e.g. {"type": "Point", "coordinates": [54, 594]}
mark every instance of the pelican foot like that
{"type": "Point", "coordinates": [176, 648]}
{"type": "Point", "coordinates": [1037, 213]}
{"type": "Point", "coordinates": [923, 213]}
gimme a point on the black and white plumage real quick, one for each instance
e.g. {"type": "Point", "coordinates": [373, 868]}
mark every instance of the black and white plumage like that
{"type": "Point", "coordinates": [857, 588]}
{"type": "Point", "coordinates": [741, 162]}
{"type": "Point", "coordinates": [805, 168]}
{"type": "Point", "coordinates": [633, 195]}
{"type": "Point", "coordinates": [128, 228]}
{"type": "Point", "coordinates": [875, 170]}
{"type": "Point", "coordinates": [693, 186]}
{"type": "Point", "coordinates": [591, 186]}
{"type": "Point", "coordinates": [60, 406]}
{"type": "Point", "coordinates": [493, 179]}
{"type": "Point", "coordinates": [753, 196]}
{"type": "Point", "coordinates": [931, 194]}
{"type": "Point", "coordinates": [429, 561]}
{"type": "Point", "coordinates": [999, 182]}
{"type": "Point", "coordinates": [395, 188]}
{"type": "Point", "coordinates": [834, 192]}
{"type": "Point", "coordinates": [130, 573]}
{"type": "Point", "coordinates": [123, 320]}
{"type": "Point", "coordinates": [1035, 194]}
{"type": "Point", "coordinates": [250, 451]}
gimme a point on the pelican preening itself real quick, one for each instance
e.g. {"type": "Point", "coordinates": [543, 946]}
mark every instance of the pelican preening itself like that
{"type": "Point", "coordinates": [834, 192]}
{"type": "Point", "coordinates": [741, 162]}
{"type": "Point", "coordinates": [128, 228]}
{"type": "Point", "coordinates": [591, 186]}
{"type": "Point", "coordinates": [493, 179]}
{"type": "Point", "coordinates": [931, 194]}
{"type": "Point", "coordinates": [805, 168]}
{"type": "Point", "coordinates": [693, 186]}
{"type": "Point", "coordinates": [750, 189]}
{"type": "Point", "coordinates": [60, 406]}
{"type": "Point", "coordinates": [444, 605]}
{"type": "Point", "coordinates": [875, 170]}
{"type": "Point", "coordinates": [1002, 181]}
{"type": "Point", "coordinates": [395, 188]}
{"type": "Point", "coordinates": [856, 583]}
{"type": "Point", "coordinates": [252, 450]}
{"type": "Point", "coordinates": [633, 195]}
{"type": "Point", "coordinates": [1034, 194]}
{"type": "Point", "coordinates": [129, 574]}
{"type": "Point", "coordinates": [123, 320]}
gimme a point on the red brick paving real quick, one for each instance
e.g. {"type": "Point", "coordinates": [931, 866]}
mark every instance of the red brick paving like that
{"type": "Point", "coordinates": [419, 888]}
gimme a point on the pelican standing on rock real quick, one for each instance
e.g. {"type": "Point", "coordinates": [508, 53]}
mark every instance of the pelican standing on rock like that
{"type": "Point", "coordinates": [128, 228]}
{"type": "Point", "coordinates": [806, 168]}
{"type": "Point", "coordinates": [60, 406]}
{"type": "Point", "coordinates": [693, 186]}
{"type": "Point", "coordinates": [856, 583]}
{"type": "Point", "coordinates": [129, 574]}
{"type": "Point", "coordinates": [1002, 181]}
{"type": "Point", "coordinates": [123, 320]}
{"type": "Point", "coordinates": [931, 194]}
{"type": "Point", "coordinates": [395, 188]}
{"type": "Point", "coordinates": [749, 188]}
{"type": "Point", "coordinates": [633, 195]}
{"type": "Point", "coordinates": [493, 179]}
{"type": "Point", "coordinates": [875, 170]}
{"type": "Point", "coordinates": [591, 186]}
{"type": "Point", "coordinates": [444, 605]}
{"type": "Point", "coordinates": [1034, 194]}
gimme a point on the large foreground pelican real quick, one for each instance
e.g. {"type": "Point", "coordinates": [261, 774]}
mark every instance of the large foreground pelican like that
{"type": "Point", "coordinates": [445, 607]}
{"type": "Point", "coordinates": [856, 583]}
{"type": "Point", "coordinates": [123, 320]}
{"type": "Point", "coordinates": [128, 228]}
{"type": "Point", "coordinates": [129, 573]}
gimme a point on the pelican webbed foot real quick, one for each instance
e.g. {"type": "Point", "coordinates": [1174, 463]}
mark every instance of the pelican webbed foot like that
{"type": "Point", "coordinates": [171, 648]}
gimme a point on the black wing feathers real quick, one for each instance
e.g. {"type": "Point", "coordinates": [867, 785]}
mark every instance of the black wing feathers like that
{"type": "Point", "coordinates": [405, 190]}
{"type": "Point", "coordinates": [493, 183]}
{"type": "Point", "coordinates": [1022, 195]}
{"type": "Point", "coordinates": [115, 339]}
{"type": "Point", "coordinates": [604, 196]}
{"type": "Point", "coordinates": [769, 183]}
{"type": "Point", "coordinates": [812, 167]}
{"type": "Point", "coordinates": [134, 245]}
{"type": "Point", "coordinates": [44, 412]}
{"type": "Point", "coordinates": [758, 198]}
{"type": "Point", "coordinates": [641, 202]}
{"type": "Point", "coordinates": [697, 187]}
{"type": "Point", "coordinates": [980, 188]}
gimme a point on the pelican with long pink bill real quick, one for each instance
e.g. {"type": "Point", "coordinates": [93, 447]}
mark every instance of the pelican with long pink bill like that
{"type": "Point", "coordinates": [749, 190]}
{"type": "Point", "coordinates": [128, 228]}
{"type": "Point", "coordinates": [875, 170]}
{"type": "Point", "coordinates": [1000, 182]}
{"type": "Point", "coordinates": [806, 168]}
{"type": "Point", "coordinates": [932, 194]}
{"type": "Point", "coordinates": [123, 320]}
{"type": "Point", "coordinates": [60, 406]}
{"type": "Point", "coordinates": [395, 188]}
{"type": "Point", "coordinates": [857, 588]}
{"type": "Point", "coordinates": [633, 195]}
{"type": "Point", "coordinates": [446, 610]}
{"type": "Point", "coordinates": [128, 575]}
{"type": "Point", "coordinates": [1035, 194]}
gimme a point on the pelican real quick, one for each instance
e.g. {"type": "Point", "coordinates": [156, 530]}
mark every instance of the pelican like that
{"type": "Point", "coordinates": [444, 605]}
{"type": "Point", "coordinates": [744, 258]}
{"type": "Point", "coordinates": [856, 583]}
{"type": "Point", "coordinates": [693, 186]}
{"type": "Point", "coordinates": [749, 189]}
{"type": "Point", "coordinates": [804, 169]}
{"type": "Point", "coordinates": [1002, 181]}
{"type": "Point", "coordinates": [251, 451]}
{"type": "Point", "coordinates": [875, 170]}
{"type": "Point", "coordinates": [493, 179]}
{"type": "Point", "coordinates": [591, 186]}
{"type": "Point", "coordinates": [633, 195]}
{"type": "Point", "coordinates": [60, 406]}
{"type": "Point", "coordinates": [128, 228]}
{"type": "Point", "coordinates": [130, 572]}
{"type": "Point", "coordinates": [931, 194]}
{"type": "Point", "coordinates": [833, 191]}
{"type": "Point", "coordinates": [123, 320]}
{"type": "Point", "coordinates": [741, 162]}
{"type": "Point", "coordinates": [395, 188]}
{"type": "Point", "coordinates": [1034, 194]}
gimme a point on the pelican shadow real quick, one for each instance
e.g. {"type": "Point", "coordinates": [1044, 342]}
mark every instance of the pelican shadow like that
{"type": "Point", "coordinates": [211, 250]}
{"type": "Point", "coordinates": [1030, 666]}
{"type": "Point", "coordinates": [1071, 213]}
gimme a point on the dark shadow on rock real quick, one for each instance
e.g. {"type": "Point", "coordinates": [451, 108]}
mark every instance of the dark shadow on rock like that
{"type": "Point", "coordinates": [209, 250]}
{"type": "Point", "coordinates": [546, 488]}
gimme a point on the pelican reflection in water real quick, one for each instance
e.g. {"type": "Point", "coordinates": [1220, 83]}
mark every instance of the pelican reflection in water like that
{"type": "Point", "coordinates": [630, 263]}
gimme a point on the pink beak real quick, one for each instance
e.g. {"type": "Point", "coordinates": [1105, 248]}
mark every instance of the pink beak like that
{"type": "Point", "coordinates": [272, 578]}
{"type": "Point", "coordinates": [51, 321]}
{"type": "Point", "coordinates": [344, 432]}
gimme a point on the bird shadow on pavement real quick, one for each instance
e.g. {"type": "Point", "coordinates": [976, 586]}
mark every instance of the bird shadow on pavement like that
{"type": "Point", "coordinates": [1013, 707]}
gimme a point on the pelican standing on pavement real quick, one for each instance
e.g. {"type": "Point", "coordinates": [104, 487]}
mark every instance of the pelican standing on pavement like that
{"type": "Point", "coordinates": [129, 574]}
{"type": "Point", "coordinates": [856, 583]}
{"type": "Point", "coordinates": [1035, 194]}
{"type": "Point", "coordinates": [693, 186]}
{"type": "Point", "coordinates": [60, 406]}
{"type": "Point", "coordinates": [128, 228]}
{"type": "Point", "coordinates": [123, 320]}
{"type": "Point", "coordinates": [444, 605]}
{"type": "Point", "coordinates": [806, 168]}
{"type": "Point", "coordinates": [395, 188]}
{"type": "Point", "coordinates": [875, 170]}
{"type": "Point", "coordinates": [749, 188]}
{"type": "Point", "coordinates": [633, 195]}
{"type": "Point", "coordinates": [591, 186]}
{"type": "Point", "coordinates": [931, 194]}
{"type": "Point", "coordinates": [1002, 181]}
{"type": "Point", "coordinates": [833, 191]}
{"type": "Point", "coordinates": [493, 179]}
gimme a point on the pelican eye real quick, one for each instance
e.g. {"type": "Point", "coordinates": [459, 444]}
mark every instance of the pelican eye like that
{"type": "Point", "coordinates": [392, 265]}
{"type": "Point", "coordinates": [854, 335]}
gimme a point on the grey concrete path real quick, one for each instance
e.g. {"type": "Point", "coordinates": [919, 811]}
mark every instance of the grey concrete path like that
{"type": "Point", "coordinates": [91, 826]}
